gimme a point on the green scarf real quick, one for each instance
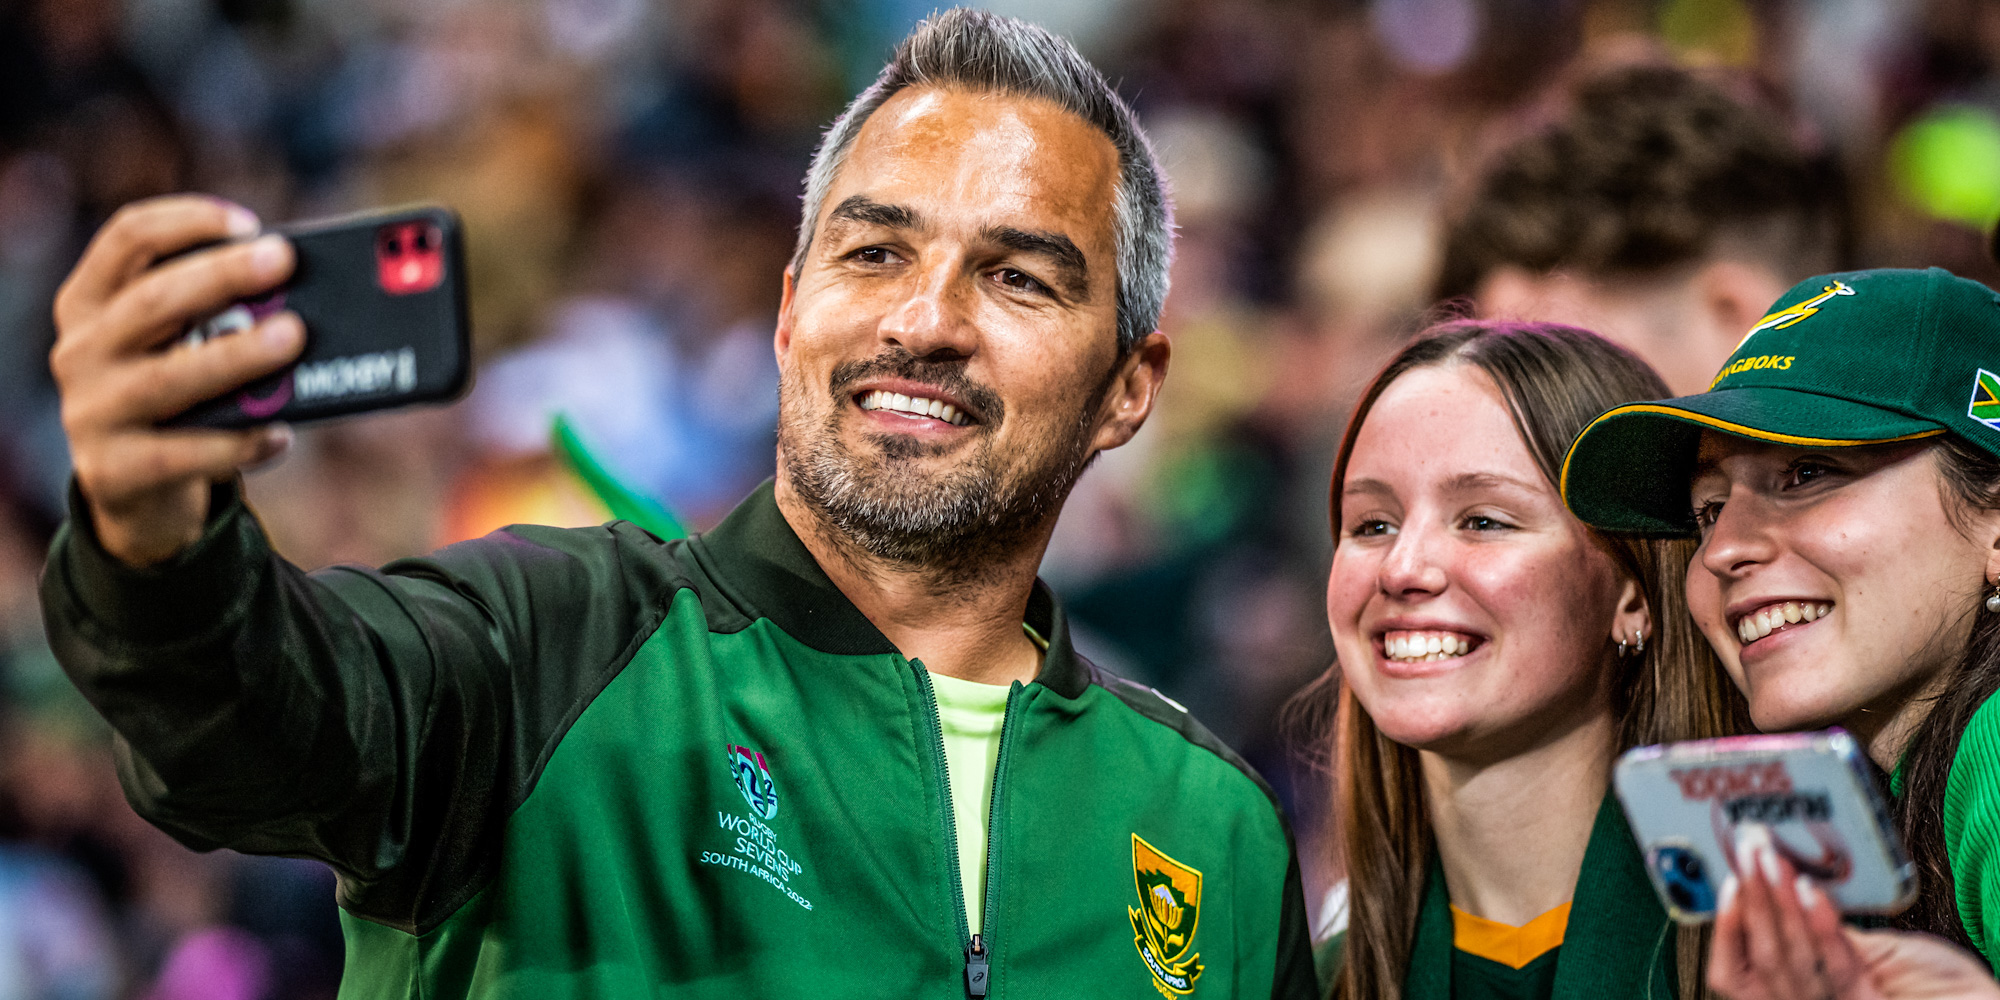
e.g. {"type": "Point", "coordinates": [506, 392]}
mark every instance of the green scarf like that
{"type": "Point", "coordinates": [1619, 942]}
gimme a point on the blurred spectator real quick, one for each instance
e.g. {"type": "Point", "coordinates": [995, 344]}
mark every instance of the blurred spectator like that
{"type": "Point", "coordinates": [1659, 210]}
{"type": "Point", "coordinates": [54, 940]}
{"type": "Point", "coordinates": [661, 360]}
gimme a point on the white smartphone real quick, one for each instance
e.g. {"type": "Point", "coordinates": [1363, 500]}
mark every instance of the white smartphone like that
{"type": "Point", "coordinates": [1814, 791]}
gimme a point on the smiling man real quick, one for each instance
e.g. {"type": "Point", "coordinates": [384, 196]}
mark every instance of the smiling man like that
{"type": "Point", "coordinates": [839, 746]}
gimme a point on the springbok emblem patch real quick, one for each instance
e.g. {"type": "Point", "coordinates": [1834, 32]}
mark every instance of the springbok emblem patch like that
{"type": "Point", "coordinates": [1163, 924]}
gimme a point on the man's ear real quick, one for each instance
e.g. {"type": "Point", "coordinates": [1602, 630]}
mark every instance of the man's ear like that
{"type": "Point", "coordinates": [1134, 388]}
{"type": "Point", "coordinates": [1734, 295]}
{"type": "Point", "coordinates": [781, 342]}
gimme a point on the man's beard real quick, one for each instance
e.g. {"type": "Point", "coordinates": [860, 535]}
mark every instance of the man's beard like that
{"type": "Point", "coordinates": [954, 522]}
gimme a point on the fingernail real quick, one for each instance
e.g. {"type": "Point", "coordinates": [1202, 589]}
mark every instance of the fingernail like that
{"type": "Point", "coordinates": [1754, 849]}
{"type": "Point", "coordinates": [1728, 894]}
{"type": "Point", "coordinates": [1748, 838]}
{"type": "Point", "coordinates": [1803, 886]}
{"type": "Point", "coordinates": [1767, 859]}
{"type": "Point", "coordinates": [267, 254]}
{"type": "Point", "coordinates": [240, 221]}
{"type": "Point", "coordinates": [277, 438]}
{"type": "Point", "coordinates": [282, 330]}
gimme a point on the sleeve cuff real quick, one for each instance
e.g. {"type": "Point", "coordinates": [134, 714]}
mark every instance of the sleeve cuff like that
{"type": "Point", "coordinates": [180, 599]}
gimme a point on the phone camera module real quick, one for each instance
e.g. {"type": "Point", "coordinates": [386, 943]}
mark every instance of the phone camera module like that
{"type": "Point", "coordinates": [409, 257]}
{"type": "Point", "coordinates": [1684, 878]}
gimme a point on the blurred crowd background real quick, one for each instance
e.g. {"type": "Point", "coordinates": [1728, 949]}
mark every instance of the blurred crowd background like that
{"type": "Point", "coordinates": [628, 172]}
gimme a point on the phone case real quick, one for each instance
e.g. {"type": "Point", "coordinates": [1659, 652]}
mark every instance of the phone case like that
{"type": "Point", "coordinates": [1813, 790]}
{"type": "Point", "coordinates": [382, 295]}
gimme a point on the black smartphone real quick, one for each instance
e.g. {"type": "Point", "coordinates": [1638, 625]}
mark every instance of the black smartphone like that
{"type": "Point", "coordinates": [382, 295]}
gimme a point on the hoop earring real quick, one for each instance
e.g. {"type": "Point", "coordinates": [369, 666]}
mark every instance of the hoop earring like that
{"type": "Point", "coordinates": [1637, 647]}
{"type": "Point", "coordinates": [1638, 643]}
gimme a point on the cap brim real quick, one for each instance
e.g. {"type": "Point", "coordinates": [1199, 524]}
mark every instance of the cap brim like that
{"type": "Point", "coordinates": [1629, 469]}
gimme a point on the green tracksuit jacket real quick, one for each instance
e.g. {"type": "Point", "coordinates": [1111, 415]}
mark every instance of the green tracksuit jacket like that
{"type": "Point", "coordinates": [588, 763]}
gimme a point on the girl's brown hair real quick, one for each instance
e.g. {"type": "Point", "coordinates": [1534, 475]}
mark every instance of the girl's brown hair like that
{"type": "Point", "coordinates": [1971, 478]}
{"type": "Point", "coordinates": [1555, 379]}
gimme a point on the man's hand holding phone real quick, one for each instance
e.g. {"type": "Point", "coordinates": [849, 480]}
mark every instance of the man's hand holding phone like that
{"type": "Point", "coordinates": [148, 486]}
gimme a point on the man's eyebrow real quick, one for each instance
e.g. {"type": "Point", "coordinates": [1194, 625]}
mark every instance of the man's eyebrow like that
{"type": "Point", "coordinates": [863, 209]}
{"type": "Point", "coordinates": [1072, 270]}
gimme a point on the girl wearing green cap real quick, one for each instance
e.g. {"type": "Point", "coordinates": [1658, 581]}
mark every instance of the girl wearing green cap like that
{"type": "Point", "coordinates": [1843, 478]}
{"type": "Point", "coordinates": [1494, 657]}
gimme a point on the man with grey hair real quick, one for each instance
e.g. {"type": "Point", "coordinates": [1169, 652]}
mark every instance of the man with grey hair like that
{"type": "Point", "coordinates": [838, 746]}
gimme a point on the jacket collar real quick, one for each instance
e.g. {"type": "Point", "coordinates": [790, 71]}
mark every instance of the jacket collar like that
{"type": "Point", "coordinates": [759, 564]}
{"type": "Point", "coordinates": [1618, 943]}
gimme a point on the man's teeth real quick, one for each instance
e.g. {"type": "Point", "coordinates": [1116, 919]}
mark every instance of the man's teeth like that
{"type": "Point", "coordinates": [915, 406]}
{"type": "Point", "coordinates": [1411, 647]}
{"type": "Point", "coordinates": [1756, 626]}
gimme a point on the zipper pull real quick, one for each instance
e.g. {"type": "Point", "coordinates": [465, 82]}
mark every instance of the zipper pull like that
{"type": "Point", "coordinates": [975, 967]}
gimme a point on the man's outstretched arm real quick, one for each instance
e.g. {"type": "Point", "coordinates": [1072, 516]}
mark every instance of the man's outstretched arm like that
{"type": "Point", "coordinates": [386, 722]}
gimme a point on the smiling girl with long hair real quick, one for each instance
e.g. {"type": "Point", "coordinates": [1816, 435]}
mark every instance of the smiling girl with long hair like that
{"type": "Point", "coordinates": [1494, 656]}
{"type": "Point", "coordinates": [1842, 476]}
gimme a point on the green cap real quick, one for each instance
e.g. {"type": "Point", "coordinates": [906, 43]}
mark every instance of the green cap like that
{"type": "Point", "coordinates": [1862, 357]}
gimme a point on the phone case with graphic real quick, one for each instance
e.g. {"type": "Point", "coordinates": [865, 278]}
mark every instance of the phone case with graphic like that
{"type": "Point", "coordinates": [1814, 791]}
{"type": "Point", "coordinates": [383, 298]}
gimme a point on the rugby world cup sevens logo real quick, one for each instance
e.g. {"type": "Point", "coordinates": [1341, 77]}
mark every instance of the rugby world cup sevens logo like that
{"type": "Point", "coordinates": [753, 779]}
{"type": "Point", "coordinates": [1164, 922]}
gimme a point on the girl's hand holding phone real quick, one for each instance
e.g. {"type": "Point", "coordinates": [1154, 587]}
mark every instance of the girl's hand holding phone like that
{"type": "Point", "coordinates": [1778, 937]}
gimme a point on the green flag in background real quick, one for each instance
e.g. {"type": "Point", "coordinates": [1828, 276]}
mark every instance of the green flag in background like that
{"type": "Point", "coordinates": [624, 503]}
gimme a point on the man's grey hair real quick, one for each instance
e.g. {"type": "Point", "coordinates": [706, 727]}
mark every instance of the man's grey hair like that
{"type": "Point", "coordinates": [978, 50]}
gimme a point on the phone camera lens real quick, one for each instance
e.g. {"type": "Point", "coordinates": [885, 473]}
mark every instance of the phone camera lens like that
{"type": "Point", "coordinates": [1683, 879]}
{"type": "Point", "coordinates": [1681, 896]}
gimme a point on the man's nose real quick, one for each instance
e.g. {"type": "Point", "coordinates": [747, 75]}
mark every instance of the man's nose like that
{"type": "Point", "coordinates": [1739, 540]}
{"type": "Point", "coordinates": [1411, 568]}
{"type": "Point", "coordinates": [932, 315]}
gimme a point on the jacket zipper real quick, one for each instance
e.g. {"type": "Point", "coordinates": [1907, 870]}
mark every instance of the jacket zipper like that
{"type": "Point", "coordinates": [983, 949]}
{"type": "Point", "coordinates": [978, 951]}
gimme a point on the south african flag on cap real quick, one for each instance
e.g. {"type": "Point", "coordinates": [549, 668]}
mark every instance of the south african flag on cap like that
{"type": "Point", "coordinates": [1985, 406]}
{"type": "Point", "coordinates": [1843, 360]}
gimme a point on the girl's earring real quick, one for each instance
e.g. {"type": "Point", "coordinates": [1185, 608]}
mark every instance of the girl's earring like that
{"type": "Point", "coordinates": [1993, 599]}
{"type": "Point", "coordinates": [1638, 643]}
